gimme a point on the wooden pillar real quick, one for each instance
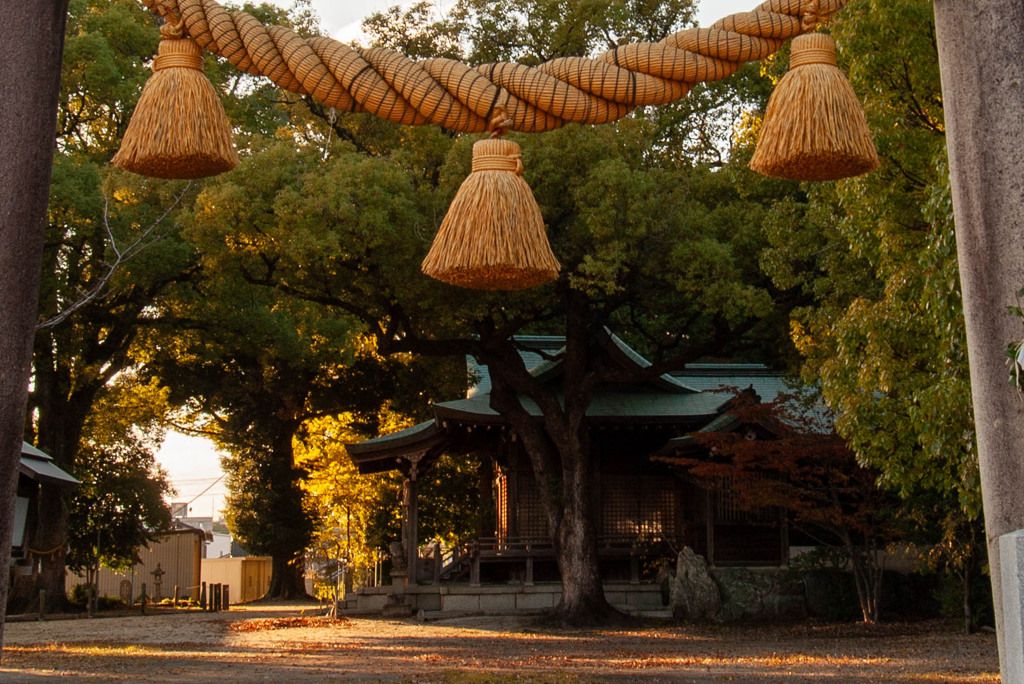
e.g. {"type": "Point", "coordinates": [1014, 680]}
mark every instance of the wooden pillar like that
{"type": "Point", "coordinates": [485, 487]}
{"type": "Point", "coordinates": [783, 538]}
{"type": "Point", "coordinates": [411, 527]}
{"type": "Point", "coordinates": [709, 517]}
{"type": "Point", "coordinates": [528, 574]}
{"type": "Point", "coordinates": [512, 497]}
{"type": "Point", "coordinates": [32, 34]}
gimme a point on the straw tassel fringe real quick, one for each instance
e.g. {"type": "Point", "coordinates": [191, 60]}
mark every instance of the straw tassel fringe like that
{"type": "Point", "coordinates": [179, 128]}
{"type": "Point", "coordinates": [493, 237]}
{"type": "Point", "coordinates": [814, 128]}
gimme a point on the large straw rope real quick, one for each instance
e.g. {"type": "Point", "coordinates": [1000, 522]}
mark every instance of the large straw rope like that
{"type": "Point", "coordinates": [501, 95]}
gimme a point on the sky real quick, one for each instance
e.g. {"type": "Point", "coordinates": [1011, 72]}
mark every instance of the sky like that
{"type": "Point", "coordinates": [341, 19]}
{"type": "Point", "coordinates": [193, 463]}
{"type": "Point", "coordinates": [193, 467]}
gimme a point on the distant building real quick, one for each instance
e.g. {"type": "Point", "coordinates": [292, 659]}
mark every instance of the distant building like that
{"type": "Point", "coordinates": [220, 543]}
{"type": "Point", "coordinates": [247, 579]}
{"type": "Point", "coordinates": [172, 560]}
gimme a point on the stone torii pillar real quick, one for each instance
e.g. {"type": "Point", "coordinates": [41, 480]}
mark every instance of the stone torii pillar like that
{"type": "Point", "coordinates": [981, 55]}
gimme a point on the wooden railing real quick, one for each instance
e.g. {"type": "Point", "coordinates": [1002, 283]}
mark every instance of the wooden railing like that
{"type": "Point", "coordinates": [469, 555]}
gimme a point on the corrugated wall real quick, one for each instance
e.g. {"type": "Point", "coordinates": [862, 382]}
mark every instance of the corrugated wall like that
{"type": "Point", "coordinates": [178, 556]}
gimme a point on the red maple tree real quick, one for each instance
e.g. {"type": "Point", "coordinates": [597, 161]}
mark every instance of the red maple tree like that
{"type": "Point", "coordinates": [785, 454]}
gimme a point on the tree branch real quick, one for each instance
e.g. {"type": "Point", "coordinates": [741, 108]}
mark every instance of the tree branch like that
{"type": "Point", "coordinates": [140, 244]}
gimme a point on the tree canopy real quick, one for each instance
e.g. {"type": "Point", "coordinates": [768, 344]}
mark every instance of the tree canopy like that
{"type": "Point", "coordinates": [661, 251]}
{"type": "Point", "coordinates": [874, 260]}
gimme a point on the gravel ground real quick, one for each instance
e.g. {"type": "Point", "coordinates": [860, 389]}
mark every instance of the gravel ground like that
{"type": "Point", "coordinates": [289, 643]}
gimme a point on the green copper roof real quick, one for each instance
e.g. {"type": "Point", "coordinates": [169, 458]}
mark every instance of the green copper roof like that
{"type": "Point", "coordinates": [412, 436]}
{"type": "Point", "coordinates": [693, 398]}
{"type": "Point", "coordinates": [651, 407]}
{"type": "Point", "coordinates": [40, 466]}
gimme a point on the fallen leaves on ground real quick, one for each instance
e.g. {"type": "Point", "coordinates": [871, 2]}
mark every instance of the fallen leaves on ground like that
{"type": "Point", "coordinates": [269, 624]}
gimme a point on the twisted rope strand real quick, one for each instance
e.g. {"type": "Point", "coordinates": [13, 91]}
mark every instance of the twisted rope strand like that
{"type": "Point", "coordinates": [532, 99]}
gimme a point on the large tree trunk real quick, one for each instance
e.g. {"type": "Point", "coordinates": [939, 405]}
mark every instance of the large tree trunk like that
{"type": "Point", "coordinates": [575, 540]}
{"type": "Point", "coordinates": [52, 543]}
{"type": "Point", "coordinates": [558, 445]}
{"type": "Point", "coordinates": [286, 579]}
{"type": "Point", "coordinates": [289, 516]}
{"type": "Point", "coordinates": [981, 49]}
{"type": "Point", "coordinates": [32, 33]}
{"type": "Point", "coordinates": [566, 482]}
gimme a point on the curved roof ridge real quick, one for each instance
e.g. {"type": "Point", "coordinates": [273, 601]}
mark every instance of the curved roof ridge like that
{"type": "Point", "coordinates": [626, 354]}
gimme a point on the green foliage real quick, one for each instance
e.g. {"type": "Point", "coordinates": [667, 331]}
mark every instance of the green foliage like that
{"type": "Point", "coordinates": [249, 373]}
{"type": "Point", "coordinates": [415, 33]}
{"type": "Point", "coordinates": [538, 31]}
{"type": "Point", "coordinates": [358, 516]}
{"type": "Point", "coordinates": [448, 509]}
{"type": "Point", "coordinates": [874, 261]}
{"type": "Point", "coordinates": [119, 506]}
{"type": "Point", "coordinates": [109, 251]}
{"type": "Point", "coordinates": [80, 595]}
{"type": "Point", "coordinates": [256, 364]}
{"type": "Point", "coordinates": [106, 46]}
{"type": "Point", "coordinates": [264, 503]}
{"type": "Point", "coordinates": [658, 247]}
{"type": "Point", "coordinates": [113, 252]}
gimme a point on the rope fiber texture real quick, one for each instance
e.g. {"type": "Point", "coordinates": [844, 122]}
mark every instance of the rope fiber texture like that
{"type": "Point", "coordinates": [462, 98]}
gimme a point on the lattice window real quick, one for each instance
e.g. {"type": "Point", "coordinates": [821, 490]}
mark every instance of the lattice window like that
{"type": "Point", "coordinates": [532, 522]}
{"type": "Point", "coordinates": [501, 504]}
{"type": "Point", "coordinates": [619, 512]}
{"type": "Point", "coordinates": [727, 503]}
{"type": "Point", "coordinates": [637, 506]}
{"type": "Point", "coordinates": [657, 507]}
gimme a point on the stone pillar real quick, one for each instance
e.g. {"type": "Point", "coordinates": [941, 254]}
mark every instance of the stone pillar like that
{"type": "Point", "coordinates": [474, 571]}
{"type": "Point", "coordinates": [1011, 552]}
{"type": "Point", "coordinates": [981, 50]}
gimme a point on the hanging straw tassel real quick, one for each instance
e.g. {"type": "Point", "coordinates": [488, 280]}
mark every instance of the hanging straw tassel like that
{"type": "Point", "coordinates": [814, 128]}
{"type": "Point", "coordinates": [179, 128]}
{"type": "Point", "coordinates": [493, 237]}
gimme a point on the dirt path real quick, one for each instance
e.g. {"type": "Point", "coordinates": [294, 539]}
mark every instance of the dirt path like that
{"type": "Point", "coordinates": [241, 646]}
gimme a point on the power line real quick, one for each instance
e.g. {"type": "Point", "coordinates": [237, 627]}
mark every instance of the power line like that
{"type": "Point", "coordinates": [195, 480]}
{"type": "Point", "coordinates": [207, 489]}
